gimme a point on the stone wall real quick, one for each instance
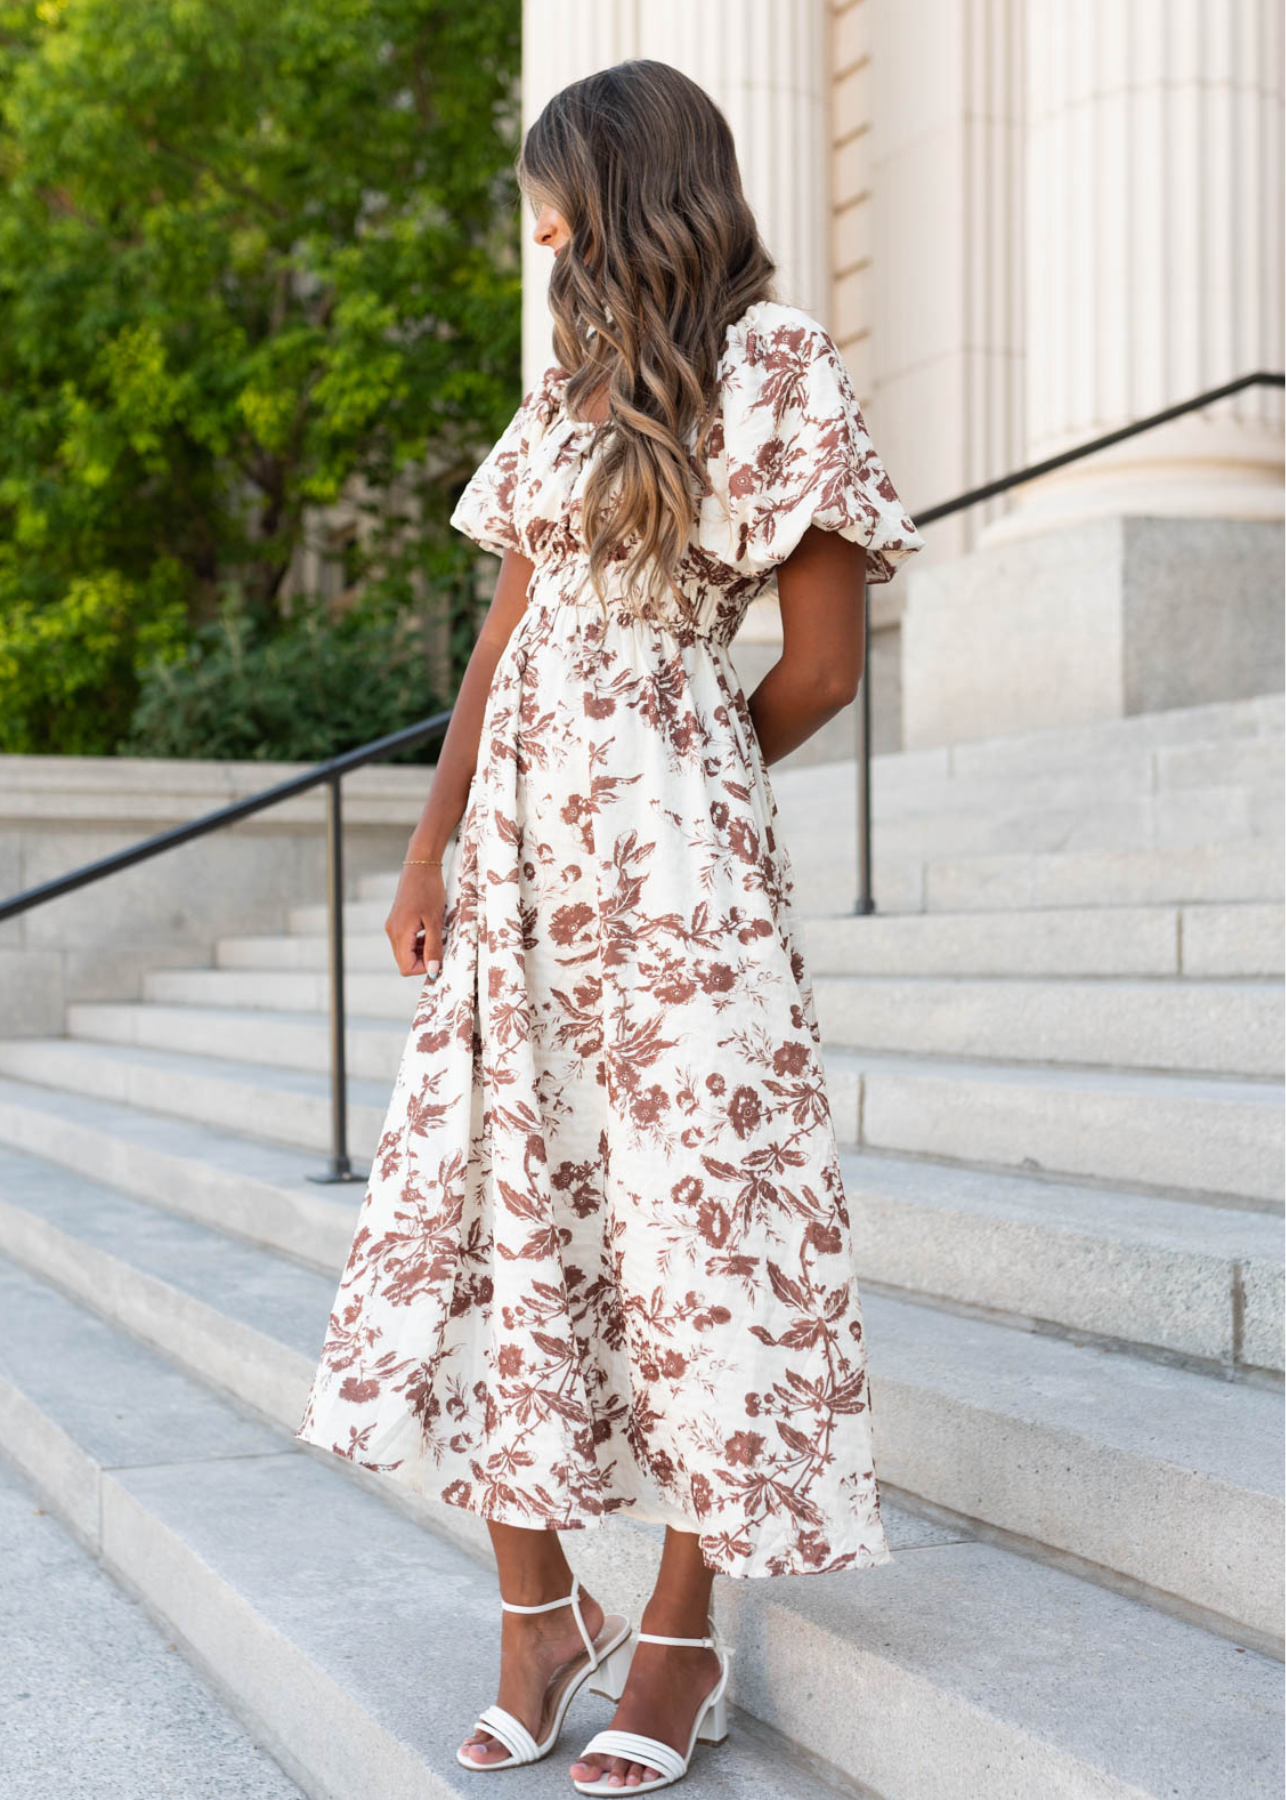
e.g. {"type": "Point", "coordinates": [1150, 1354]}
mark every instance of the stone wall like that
{"type": "Point", "coordinates": [58, 813]}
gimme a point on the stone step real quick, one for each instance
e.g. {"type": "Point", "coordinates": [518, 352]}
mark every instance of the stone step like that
{"type": "Point", "coordinates": [1194, 1027]}
{"type": "Point", "coordinates": [935, 876]}
{"type": "Point", "coordinates": [362, 917]}
{"type": "Point", "coordinates": [1165, 1277]}
{"type": "Point", "coordinates": [904, 786]}
{"type": "Point", "coordinates": [1244, 939]}
{"type": "Point", "coordinates": [365, 952]}
{"type": "Point", "coordinates": [286, 1039]}
{"type": "Point", "coordinates": [324, 1614]}
{"type": "Point", "coordinates": [1112, 1460]}
{"type": "Point", "coordinates": [281, 1105]}
{"type": "Point", "coordinates": [94, 1699]}
{"type": "Point", "coordinates": [1135, 877]}
{"type": "Point", "coordinates": [975, 1417]}
{"type": "Point", "coordinates": [1207, 732]}
{"type": "Point", "coordinates": [1181, 819]}
{"type": "Point", "coordinates": [1199, 942]}
{"type": "Point", "coordinates": [1185, 1135]}
{"type": "Point", "coordinates": [909, 785]}
{"type": "Point", "coordinates": [1224, 1027]}
{"type": "Point", "coordinates": [382, 995]}
{"type": "Point", "coordinates": [1162, 1277]}
{"type": "Point", "coordinates": [238, 1185]}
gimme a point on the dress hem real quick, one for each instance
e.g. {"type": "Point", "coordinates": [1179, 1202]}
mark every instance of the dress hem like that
{"type": "Point", "coordinates": [844, 1562]}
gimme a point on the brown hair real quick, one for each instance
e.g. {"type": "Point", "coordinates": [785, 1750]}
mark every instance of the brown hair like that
{"type": "Point", "coordinates": [663, 255]}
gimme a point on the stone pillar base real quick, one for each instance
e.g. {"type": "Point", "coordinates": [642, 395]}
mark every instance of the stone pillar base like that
{"type": "Point", "coordinates": [1096, 620]}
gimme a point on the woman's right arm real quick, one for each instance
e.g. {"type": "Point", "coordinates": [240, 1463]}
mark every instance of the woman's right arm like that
{"type": "Point", "coordinates": [819, 588]}
{"type": "Point", "coordinates": [414, 923]}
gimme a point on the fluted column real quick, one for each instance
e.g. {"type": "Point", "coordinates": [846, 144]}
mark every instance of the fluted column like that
{"type": "Point", "coordinates": [1153, 258]}
{"type": "Point", "coordinates": [762, 61]}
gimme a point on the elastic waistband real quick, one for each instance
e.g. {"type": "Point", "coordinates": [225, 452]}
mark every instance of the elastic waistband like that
{"type": "Point", "coordinates": [548, 597]}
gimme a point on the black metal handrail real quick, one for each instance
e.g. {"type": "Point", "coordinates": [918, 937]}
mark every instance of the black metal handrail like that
{"type": "Point", "coordinates": [928, 515]}
{"type": "Point", "coordinates": [332, 771]}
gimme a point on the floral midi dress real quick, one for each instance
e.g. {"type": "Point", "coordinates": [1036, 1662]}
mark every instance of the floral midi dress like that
{"type": "Point", "coordinates": [604, 1264]}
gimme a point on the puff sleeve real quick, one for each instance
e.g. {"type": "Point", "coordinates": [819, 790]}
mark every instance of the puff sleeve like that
{"type": "Point", "coordinates": [485, 510]}
{"type": "Point", "coordinates": [798, 452]}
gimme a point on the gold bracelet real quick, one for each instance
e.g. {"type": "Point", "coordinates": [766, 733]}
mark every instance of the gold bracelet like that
{"type": "Point", "coordinates": [421, 862]}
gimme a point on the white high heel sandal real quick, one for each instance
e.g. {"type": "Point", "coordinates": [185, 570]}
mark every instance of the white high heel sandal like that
{"type": "Point", "coordinates": [709, 1727]}
{"type": "Point", "coordinates": [610, 1663]}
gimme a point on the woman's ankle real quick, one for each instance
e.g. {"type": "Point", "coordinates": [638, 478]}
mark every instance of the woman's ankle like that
{"type": "Point", "coordinates": [532, 1588]}
{"type": "Point", "coordinates": [676, 1615]}
{"type": "Point", "coordinates": [559, 1622]}
{"type": "Point", "coordinates": [531, 1566]}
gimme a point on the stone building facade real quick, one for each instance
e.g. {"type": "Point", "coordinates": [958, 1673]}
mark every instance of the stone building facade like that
{"type": "Point", "coordinates": [1026, 223]}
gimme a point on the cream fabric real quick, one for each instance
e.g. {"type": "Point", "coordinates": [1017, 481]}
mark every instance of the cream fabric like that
{"type": "Point", "coordinates": [605, 1261]}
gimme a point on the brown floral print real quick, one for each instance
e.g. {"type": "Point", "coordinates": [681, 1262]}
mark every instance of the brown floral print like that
{"type": "Point", "coordinates": [604, 1262]}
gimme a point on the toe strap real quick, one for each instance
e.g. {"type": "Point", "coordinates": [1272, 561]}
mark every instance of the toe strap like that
{"type": "Point", "coordinates": [636, 1748]}
{"type": "Point", "coordinates": [513, 1734]}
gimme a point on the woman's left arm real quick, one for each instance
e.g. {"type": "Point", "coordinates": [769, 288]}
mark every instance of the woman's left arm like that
{"type": "Point", "coordinates": [819, 586]}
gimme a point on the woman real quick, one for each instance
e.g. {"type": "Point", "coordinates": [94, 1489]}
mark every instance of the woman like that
{"type": "Point", "coordinates": [604, 1263]}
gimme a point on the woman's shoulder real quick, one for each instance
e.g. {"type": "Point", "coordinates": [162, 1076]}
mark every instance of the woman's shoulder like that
{"type": "Point", "coordinates": [782, 368]}
{"type": "Point", "coordinates": [770, 328]}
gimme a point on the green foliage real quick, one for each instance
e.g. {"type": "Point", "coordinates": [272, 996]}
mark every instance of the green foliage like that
{"type": "Point", "coordinates": [300, 693]}
{"type": "Point", "coordinates": [67, 669]}
{"type": "Point", "coordinates": [253, 257]}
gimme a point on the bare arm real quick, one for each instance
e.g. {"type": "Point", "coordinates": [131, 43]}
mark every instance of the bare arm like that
{"type": "Point", "coordinates": [817, 675]}
{"type": "Point", "coordinates": [420, 901]}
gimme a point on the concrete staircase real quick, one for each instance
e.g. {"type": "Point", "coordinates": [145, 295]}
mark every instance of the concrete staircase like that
{"type": "Point", "coordinates": [1055, 1060]}
{"type": "Point", "coordinates": [93, 1700]}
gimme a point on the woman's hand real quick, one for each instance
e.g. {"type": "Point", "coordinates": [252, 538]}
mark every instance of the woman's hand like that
{"type": "Point", "coordinates": [414, 923]}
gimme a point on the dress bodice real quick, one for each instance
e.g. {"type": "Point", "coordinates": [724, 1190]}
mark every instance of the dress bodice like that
{"type": "Point", "coordinates": [788, 447]}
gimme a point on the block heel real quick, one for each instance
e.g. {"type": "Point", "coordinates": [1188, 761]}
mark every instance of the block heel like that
{"type": "Point", "coordinates": [714, 1728]}
{"type": "Point", "coordinates": [613, 1672]}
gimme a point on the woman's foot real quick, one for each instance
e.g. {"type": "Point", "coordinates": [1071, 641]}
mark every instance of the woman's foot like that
{"type": "Point", "coordinates": [666, 1687]}
{"type": "Point", "coordinates": [539, 1652]}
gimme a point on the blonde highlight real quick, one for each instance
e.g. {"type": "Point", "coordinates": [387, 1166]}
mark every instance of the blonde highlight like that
{"type": "Point", "coordinates": [663, 256]}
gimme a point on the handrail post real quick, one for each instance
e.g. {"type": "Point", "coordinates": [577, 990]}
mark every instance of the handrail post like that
{"type": "Point", "coordinates": [865, 899]}
{"type": "Point", "coordinates": [341, 1169]}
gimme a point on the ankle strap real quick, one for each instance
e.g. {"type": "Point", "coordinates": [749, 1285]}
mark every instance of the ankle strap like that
{"type": "Point", "coordinates": [571, 1600]}
{"type": "Point", "coordinates": [714, 1642]}
{"type": "Point", "coordinates": [548, 1606]}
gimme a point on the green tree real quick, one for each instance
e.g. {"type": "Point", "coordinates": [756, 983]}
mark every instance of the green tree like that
{"type": "Point", "coordinates": [255, 256]}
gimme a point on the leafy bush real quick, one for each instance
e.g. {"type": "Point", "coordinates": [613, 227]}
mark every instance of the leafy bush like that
{"type": "Point", "coordinates": [68, 669]}
{"type": "Point", "coordinates": [255, 259]}
{"type": "Point", "coordinates": [305, 691]}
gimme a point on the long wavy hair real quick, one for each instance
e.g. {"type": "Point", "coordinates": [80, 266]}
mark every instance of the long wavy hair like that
{"type": "Point", "coordinates": [663, 254]}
